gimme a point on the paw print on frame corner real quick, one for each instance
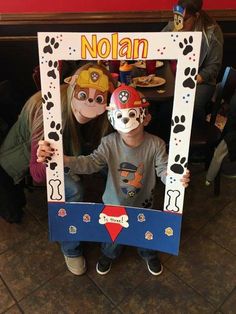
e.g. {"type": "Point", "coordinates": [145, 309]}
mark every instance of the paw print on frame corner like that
{"type": "Point", "coordinates": [186, 45]}
{"type": "Point", "coordinates": [51, 43]}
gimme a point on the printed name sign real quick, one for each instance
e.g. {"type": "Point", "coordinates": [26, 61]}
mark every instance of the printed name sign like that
{"type": "Point", "coordinates": [148, 228]}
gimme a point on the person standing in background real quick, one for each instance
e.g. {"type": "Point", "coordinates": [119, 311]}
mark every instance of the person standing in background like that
{"type": "Point", "coordinates": [193, 18]}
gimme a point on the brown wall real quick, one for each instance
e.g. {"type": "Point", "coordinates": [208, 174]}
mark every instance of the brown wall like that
{"type": "Point", "coordinates": [18, 39]}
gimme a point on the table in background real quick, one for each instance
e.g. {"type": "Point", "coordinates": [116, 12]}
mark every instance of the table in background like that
{"type": "Point", "coordinates": [161, 104]}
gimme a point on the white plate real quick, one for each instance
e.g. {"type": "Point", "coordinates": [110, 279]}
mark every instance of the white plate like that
{"type": "Point", "coordinates": [156, 81]}
{"type": "Point", "coordinates": [142, 64]}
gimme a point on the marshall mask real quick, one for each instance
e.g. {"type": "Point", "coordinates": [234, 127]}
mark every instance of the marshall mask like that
{"type": "Point", "coordinates": [127, 109]}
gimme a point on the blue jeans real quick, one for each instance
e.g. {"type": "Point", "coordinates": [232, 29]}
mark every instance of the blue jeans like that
{"type": "Point", "coordinates": [113, 250]}
{"type": "Point", "coordinates": [73, 193]}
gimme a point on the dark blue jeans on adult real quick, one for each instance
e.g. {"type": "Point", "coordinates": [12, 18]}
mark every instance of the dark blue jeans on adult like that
{"type": "Point", "coordinates": [113, 250]}
{"type": "Point", "coordinates": [73, 193]}
{"type": "Point", "coordinates": [204, 93]}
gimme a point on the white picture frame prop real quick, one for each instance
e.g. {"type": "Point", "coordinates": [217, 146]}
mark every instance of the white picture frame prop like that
{"type": "Point", "coordinates": [154, 229]}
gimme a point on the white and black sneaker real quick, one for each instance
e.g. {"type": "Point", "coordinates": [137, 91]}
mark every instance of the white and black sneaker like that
{"type": "Point", "coordinates": [103, 265]}
{"type": "Point", "coordinates": [154, 266]}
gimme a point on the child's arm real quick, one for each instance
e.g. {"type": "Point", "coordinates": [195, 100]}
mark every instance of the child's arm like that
{"type": "Point", "coordinates": [85, 164]}
{"type": "Point", "coordinates": [161, 160]}
{"type": "Point", "coordinates": [81, 164]}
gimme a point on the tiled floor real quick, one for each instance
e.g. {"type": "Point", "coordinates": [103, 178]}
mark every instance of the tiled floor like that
{"type": "Point", "coordinates": [202, 279]}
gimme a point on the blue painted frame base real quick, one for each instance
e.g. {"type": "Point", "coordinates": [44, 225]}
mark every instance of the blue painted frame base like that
{"type": "Point", "coordinates": [148, 228]}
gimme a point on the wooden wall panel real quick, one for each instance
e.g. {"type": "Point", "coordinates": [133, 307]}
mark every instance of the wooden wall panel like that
{"type": "Point", "coordinates": [18, 39]}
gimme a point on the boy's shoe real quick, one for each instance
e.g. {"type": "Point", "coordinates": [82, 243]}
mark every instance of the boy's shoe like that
{"type": "Point", "coordinates": [154, 266]}
{"type": "Point", "coordinates": [76, 265]}
{"type": "Point", "coordinates": [103, 265]}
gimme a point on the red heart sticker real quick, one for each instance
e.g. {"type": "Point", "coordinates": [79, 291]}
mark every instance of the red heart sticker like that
{"type": "Point", "coordinates": [114, 218]}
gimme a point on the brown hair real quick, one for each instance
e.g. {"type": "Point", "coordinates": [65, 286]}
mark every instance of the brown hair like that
{"type": "Point", "coordinates": [191, 6]}
{"type": "Point", "coordinates": [96, 128]}
{"type": "Point", "coordinates": [203, 21]}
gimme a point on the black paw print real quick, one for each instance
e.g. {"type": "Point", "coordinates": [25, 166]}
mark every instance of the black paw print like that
{"type": "Point", "coordinates": [52, 165]}
{"type": "Point", "coordinates": [179, 166]}
{"type": "Point", "coordinates": [47, 101]}
{"type": "Point", "coordinates": [147, 203]}
{"type": "Point", "coordinates": [178, 122]}
{"type": "Point", "coordinates": [54, 135]}
{"type": "Point", "coordinates": [189, 82]}
{"type": "Point", "coordinates": [51, 44]}
{"type": "Point", "coordinates": [52, 73]}
{"type": "Point", "coordinates": [187, 45]}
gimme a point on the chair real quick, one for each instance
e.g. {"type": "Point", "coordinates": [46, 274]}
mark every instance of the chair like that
{"type": "Point", "coordinates": [206, 138]}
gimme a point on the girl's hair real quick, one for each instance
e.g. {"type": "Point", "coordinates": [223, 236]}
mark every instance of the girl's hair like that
{"type": "Point", "coordinates": [70, 126]}
{"type": "Point", "coordinates": [191, 6]}
{"type": "Point", "coordinates": [203, 21]}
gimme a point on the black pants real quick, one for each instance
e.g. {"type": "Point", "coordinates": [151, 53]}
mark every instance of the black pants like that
{"type": "Point", "coordinates": [12, 198]}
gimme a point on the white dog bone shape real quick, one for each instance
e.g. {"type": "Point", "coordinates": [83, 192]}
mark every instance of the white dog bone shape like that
{"type": "Point", "coordinates": [172, 202]}
{"type": "Point", "coordinates": [121, 220]}
{"type": "Point", "coordinates": [55, 193]}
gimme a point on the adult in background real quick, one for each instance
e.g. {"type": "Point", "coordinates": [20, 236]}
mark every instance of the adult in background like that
{"type": "Point", "coordinates": [226, 148]}
{"type": "Point", "coordinates": [189, 16]}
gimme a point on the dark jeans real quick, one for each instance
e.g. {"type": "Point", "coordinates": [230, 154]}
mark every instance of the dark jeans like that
{"type": "Point", "coordinates": [73, 193]}
{"type": "Point", "coordinates": [113, 250]}
{"type": "Point", "coordinates": [203, 96]}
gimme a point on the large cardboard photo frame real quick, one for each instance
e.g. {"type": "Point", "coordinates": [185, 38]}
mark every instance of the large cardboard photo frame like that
{"type": "Point", "coordinates": [149, 228]}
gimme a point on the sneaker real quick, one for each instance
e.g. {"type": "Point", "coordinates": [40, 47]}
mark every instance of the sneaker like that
{"type": "Point", "coordinates": [103, 265]}
{"type": "Point", "coordinates": [207, 183]}
{"type": "Point", "coordinates": [76, 265]}
{"type": "Point", "coordinates": [154, 266]}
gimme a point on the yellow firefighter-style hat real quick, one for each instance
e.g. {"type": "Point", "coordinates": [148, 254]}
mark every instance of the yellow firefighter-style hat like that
{"type": "Point", "coordinates": [93, 78]}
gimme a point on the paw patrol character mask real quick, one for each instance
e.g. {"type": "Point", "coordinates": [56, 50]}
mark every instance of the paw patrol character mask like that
{"type": "Point", "coordinates": [179, 13]}
{"type": "Point", "coordinates": [127, 109]}
{"type": "Point", "coordinates": [89, 99]}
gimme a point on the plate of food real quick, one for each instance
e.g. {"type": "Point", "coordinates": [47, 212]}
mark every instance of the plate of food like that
{"type": "Point", "coordinates": [148, 81]}
{"type": "Point", "coordinates": [141, 64]}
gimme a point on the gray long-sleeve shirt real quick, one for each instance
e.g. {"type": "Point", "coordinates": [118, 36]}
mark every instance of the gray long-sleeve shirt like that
{"type": "Point", "coordinates": [131, 171]}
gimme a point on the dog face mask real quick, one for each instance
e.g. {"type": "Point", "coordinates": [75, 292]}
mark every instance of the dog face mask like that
{"type": "Point", "coordinates": [127, 109]}
{"type": "Point", "coordinates": [90, 92]}
{"type": "Point", "coordinates": [126, 120]}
